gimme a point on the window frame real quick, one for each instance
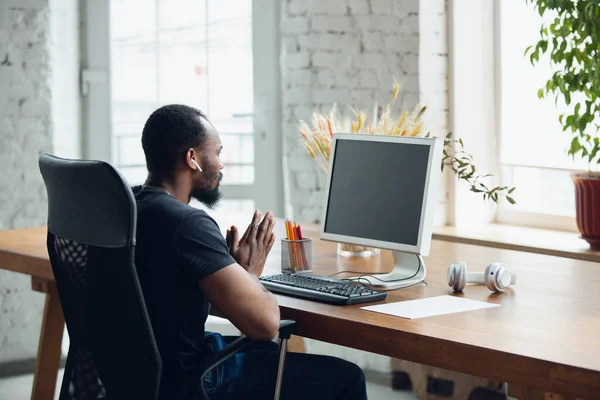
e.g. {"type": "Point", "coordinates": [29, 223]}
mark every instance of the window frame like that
{"type": "Point", "coordinates": [474, 78]}
{"type": "Point", "coordinates": [95, 78]}
{"type": "Point", "coordinates": [504, 214]}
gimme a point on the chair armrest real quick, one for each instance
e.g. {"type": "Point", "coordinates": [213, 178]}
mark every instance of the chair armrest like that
{"type": "Point", "coordinates": [238, 345]}
{"type": "Point", "coordinates": [285, 328]}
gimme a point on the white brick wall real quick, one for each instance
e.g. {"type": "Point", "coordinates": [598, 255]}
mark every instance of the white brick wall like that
{"type": "Point", "coordinates": [433, 63]}
{"type": "Point", "coordinates": [433, 79]}
{"type": "Point", "coordinates": [65, 56]}
{"type": "Point", "coordinates": [25, 131]}
{"type": "Point", "coordinates": [38, 95]}
{"type": "Point", "coordinates": [349, 54]}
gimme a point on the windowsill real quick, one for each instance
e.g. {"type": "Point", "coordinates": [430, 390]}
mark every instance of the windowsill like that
{"type": "Point", "coordinates": [531, 240]}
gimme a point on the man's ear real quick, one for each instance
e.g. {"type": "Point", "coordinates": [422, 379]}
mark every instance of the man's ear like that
{"type": "Point", "coordinates": [191, 158]}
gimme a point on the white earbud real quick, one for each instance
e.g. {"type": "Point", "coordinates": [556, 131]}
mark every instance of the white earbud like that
{"type": "Point", "coordinates": [496, 277]}
{"type": "Point", "coordinates": [194, 161]}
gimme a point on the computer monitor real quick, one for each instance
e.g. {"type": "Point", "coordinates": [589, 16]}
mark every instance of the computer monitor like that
{"type": "Point", "coordinates": [381, 192]}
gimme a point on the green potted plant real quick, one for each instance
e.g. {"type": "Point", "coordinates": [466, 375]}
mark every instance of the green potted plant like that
{"type": "Point", "coordinates": [572, 40]}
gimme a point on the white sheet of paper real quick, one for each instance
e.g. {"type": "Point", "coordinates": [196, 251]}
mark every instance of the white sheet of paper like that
{"type": "Point", "coordinates": [430, 307]}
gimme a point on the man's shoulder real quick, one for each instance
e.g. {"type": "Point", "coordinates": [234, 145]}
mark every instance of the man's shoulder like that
{"type": "Point", "coordinates": [164, 209]}
{"type": "Point", "coordinates": [157, 208]}
{"type": "Point", "coordinates": [198, 220]}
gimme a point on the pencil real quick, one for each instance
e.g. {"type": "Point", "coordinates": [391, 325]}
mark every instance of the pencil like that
{"type": "Point", "coordinates": [296, 249]}
{"type": "Point", "coordinates": [303, 248]}
{"type": "Point", "coordinates": [290, 246]}
{"type": "Point", "coordinates": [298, 245]}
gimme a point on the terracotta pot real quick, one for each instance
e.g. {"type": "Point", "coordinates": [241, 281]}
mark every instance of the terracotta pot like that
{"type": "Point", "coordinates": [587, 201]}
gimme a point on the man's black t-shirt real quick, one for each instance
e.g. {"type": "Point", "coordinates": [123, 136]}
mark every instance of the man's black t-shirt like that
{"type": "Point", "coordinates": [177, 245]}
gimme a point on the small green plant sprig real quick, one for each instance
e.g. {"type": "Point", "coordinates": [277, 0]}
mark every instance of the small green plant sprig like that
{"type": "Point", "coordinates": [461, 162]}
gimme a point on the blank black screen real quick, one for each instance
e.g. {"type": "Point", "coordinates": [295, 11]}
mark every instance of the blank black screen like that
{"type": "Point", "coordinates": [376, 190]}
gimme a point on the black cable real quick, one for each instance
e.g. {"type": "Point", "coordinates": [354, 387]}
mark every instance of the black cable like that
{"type": "Point", "coordinates": [395, 280]}
{"type": "Point", "coordinates": [370, 275]}
{"type": "Point", "coordinates": [370, 285]}
{"type": "Point", "coordinates": [348, 272]}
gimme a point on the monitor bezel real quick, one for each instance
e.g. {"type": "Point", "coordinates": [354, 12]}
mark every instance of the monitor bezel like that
{"type": "Point", "coordinates": [429, 196]}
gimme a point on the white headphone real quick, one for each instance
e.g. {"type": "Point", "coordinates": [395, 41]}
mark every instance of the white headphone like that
{"type": "Point", "coordinates": [496, 276]}
{"type": "Point", "coordinates": [194, 161]}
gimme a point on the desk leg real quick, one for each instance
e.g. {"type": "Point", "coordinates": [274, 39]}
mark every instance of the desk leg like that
{"type": "Point", "coordinates": [49, 348]}
{"type": "Point", "coordinates": [296, 344]}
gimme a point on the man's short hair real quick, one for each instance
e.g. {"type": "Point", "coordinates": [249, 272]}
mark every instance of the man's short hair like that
{"type": "Point", "coordinates": [168, 133]}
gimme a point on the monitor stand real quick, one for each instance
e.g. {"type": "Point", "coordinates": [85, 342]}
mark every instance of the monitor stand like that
{"type": "Point", "coordinates": [409, 269]}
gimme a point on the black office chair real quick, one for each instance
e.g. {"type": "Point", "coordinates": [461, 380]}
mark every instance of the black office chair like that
{"type": "Point", "coordinates": [91, 243]}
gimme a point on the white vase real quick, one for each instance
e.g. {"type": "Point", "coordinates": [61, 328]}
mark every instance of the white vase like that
{"type": "Point", "coordinates": [355, 250]}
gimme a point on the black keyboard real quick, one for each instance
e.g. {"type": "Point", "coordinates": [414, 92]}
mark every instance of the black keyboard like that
{"type": "Point", "coordinates": [321, 288]}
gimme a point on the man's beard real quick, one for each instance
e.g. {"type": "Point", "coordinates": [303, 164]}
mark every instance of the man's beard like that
{"type": "Point", "coordinates": [209, 197]}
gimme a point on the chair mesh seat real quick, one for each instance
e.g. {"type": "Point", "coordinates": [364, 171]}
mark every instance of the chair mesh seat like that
{"type": "Point", "coordinates": [84, 381]}
{"type": "Point", "coordinates": [73, 260]}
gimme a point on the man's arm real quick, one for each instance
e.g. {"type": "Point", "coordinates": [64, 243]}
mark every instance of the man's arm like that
{"type": "Point", "coordinates": [230, 281]}
{"type": "Point", "coordinates": [242, 299]}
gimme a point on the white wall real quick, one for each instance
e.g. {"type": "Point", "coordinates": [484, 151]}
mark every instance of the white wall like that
{"type": "Point", "coordinates": [66, 102]}
{"type": "Point", "coordinates": [345, 52]}
{"type": "Point", "coordinates": [25, 131]}
{"type": "Point", "coordinates": [37, 44]}
{"type": "Point", "coordinates": [472, 81]}
{"type": "Point", "coordinates": [433, 64]}
{"type": "Point", "coordinates": [348, 52]}
{"type": "Point", "coordinates": [433, 82]}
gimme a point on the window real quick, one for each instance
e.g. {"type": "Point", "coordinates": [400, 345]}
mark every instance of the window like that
{"type": "Point", "coordinates": [192, 52]}
{"type": "Point", "coordinates": [202, 53]}
{"type": "Point", "coordinates": [533, 147]}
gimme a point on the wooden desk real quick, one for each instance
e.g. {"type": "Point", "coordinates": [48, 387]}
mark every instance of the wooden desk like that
{"type": "Point", "coordinates": [24, 251]}
{"type": "Point", "coordinates": [545, 336]}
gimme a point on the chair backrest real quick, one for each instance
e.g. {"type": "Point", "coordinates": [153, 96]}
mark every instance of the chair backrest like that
{"type": "Point", "coordinates": [91, 243]}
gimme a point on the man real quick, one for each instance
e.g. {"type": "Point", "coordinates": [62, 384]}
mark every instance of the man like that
{"type": "Point", "coordinates": [186, 266]}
